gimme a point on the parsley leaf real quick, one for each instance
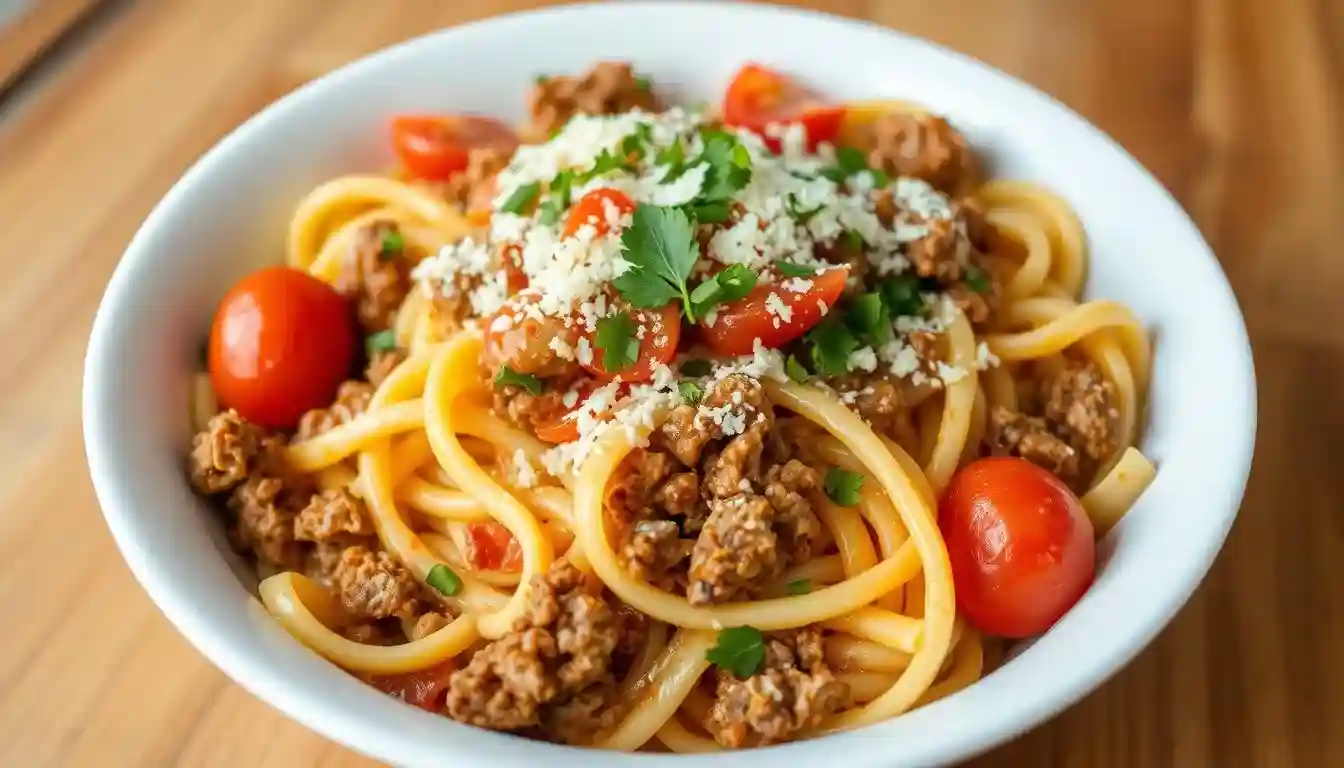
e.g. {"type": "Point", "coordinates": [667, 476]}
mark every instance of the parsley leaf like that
{"type": "Point", "coordinates": [867, 315]}
{"type": "Point", "coordinates": [740, 650]}
{"type": "Point", "coordinates": [901, 295]}
{"type": "Point", "coordinates": [977, 279]}
{"type": "Point", "coordinates": [710, 213]}
{"type": "Point", "coordinates": [507, 376]}
{"type": "Point", "coordinates": [672, 156]}
{"type": "Point", "coordinates": [548, 212]}
{"type": "Point", "coordinates": [853, 241]}
{"type": "Point", "coordinates": [729, 167]}
{"type": "Point", "coordinates": [633, 145]}
{"type": "Point", "coordinates": [830, 343]}
{"type": "Point", "coordinates": [392, 244]}
{"type": "Point", "coordinates": [561, 185]}
{"type": "Point", "coordinates": [799, 586]}
{"type": "Point", "coordinates": [443, 580]}
{"type": "Point", "coordinates": [795, 369]}
{"type": "Point", "coordinates": [616, 338]}
{"type": "Point", "coordinates": [731, 284]}
{"type": "Point", "coordinates": [382, 341]}
{"type": "Point", "coordinates": [660, 245]}
{"type": "Point", "coordinates": [696, 367]}
{"type": "Point", "coordinates": [521, 198]}
{"type": "Point", "coordinates": [842, 486]}
{"type": "Point", "coordinates": [789, 269]}
{"type": "Point", "coordinates": [605, 163]}
{"type": "Point", "coordinates": [690, 392]}
{"type": "Point", "coordinates": [798, 215]}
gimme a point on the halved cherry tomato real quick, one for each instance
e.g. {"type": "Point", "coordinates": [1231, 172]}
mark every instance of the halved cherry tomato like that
{"type": "Point", "coordinates": [281, 343]}
{"type": "Point", "coordinates": [424, 688]}
{"type": "Point", "coordinates": [434, 147]}
{"type": "Point", "coordinates": [737, 325]}
{"type": "Point", "coordinates": [592, 209]}
{"type": "Point", "coordinates": [1020, 544]}
{"type": "Point", "coordinates": [661, 329]}
{"type": "Point", "coordinates": [491, 547]}
{"type": "Point", "coordinates": [759, 96]}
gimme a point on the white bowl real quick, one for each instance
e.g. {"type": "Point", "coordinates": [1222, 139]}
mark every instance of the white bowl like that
{"type": "Point", "coordinates": [227, 216]}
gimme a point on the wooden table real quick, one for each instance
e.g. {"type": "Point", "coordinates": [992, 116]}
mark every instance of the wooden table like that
{"type": "Point", "coordinates": [1235, 104]}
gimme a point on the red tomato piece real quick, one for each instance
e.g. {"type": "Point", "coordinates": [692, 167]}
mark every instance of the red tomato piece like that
{"type": "Point", "coordinates": [424, 688]}
{"type": "Point", "coordinates": [513, 268]}
{"type": "Point", "coordinates": [759, 96]}
{"type": "Point", "coordinates": [1020, 544]}
{"type": "Point", "coordinates": [737, 325]}
{"type": "Point", "coordinates": [562, 430]}
{"type": "Point", "coordinates": [434, 147]}
{"type": "Point", "coordinates": [592, 209]}
{"type": "Point", "coordinates": [662, 331]}
{"type": "Point", "coordinates": [282, 342]}
{"type": "Point", "coordinates": [491, 547]}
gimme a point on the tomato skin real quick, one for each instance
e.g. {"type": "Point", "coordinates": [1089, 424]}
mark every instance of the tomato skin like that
{"type": "Point", "coordinates": [1021, 546]}
{"type": "Point", "coordinates": [281, 343]}
{"type": "Point", "coordinates": [592, 209]}
{"type": "Point", "coordinates": [435, 147]}
{"type": "Point", "coordinates": [423, 688]}
{"type": "Point", "coordinates": [662, 331]}
{"type": "Point", "coordinates": [737, 325]}
{"type": "Point", "coordinates": [562, 430]}
{"type": "Point", "coordinates": [493, 548]}
{"type": "Point", "coordinates": [758, 96]}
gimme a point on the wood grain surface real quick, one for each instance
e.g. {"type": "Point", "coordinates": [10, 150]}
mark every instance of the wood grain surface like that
{"type": "Point", "coordinates": [1234, 104]}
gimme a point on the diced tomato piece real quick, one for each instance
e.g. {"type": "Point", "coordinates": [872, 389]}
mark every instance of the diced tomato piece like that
{"type": "Point", "coordinates": [513, 268]}
{"type": "Point", "coordinates": [592, 209]}
{"type": "Point", "coordinates": [738, 325]}
{"type": "Point", "coordinates": [661, 329]}
{"type": "Point", "coordinates": [434, 147]}
{"type": "Point", "coordinates": [759, 96]}
{"type": "Point", "coordinates": [491, 547]}
{"type": "Point", "coordinates": [424, 688]}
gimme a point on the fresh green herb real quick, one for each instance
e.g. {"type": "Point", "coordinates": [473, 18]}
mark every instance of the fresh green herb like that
{"type": "Point", "coordinates": [710, 213]}
{"type": "Point", "coordinates": [853, 241]}
{"type": "Point", "coordinates": [382, 341]}
{"type": "Point", "coordinates": [731, 284]}
{"type": "Point", "coordinates": [696, 367]}
{"type": "Point", "coordinates": [548, 212]}
{"type": "Point", "coordinates": [977, 279]}
{"type": "Point", "coordinates": [521, 198]}
{"type": "Point", "coordinates": [634, 144]}
{"type": "Point", "coordinates": [507, 376]}
{"type": "Point", "coordinates": [660, 245]}
{"type": "Point", "coordinates": [392, 244]}
{"type": "Point", "coordinates": [848, 161]}
{"type": "Point", "coordinates": [831, 343]}
{"type": "Point", "coordinates": [795, 369]}
{"type": "Point", "coordinates": [690, 392]}
{"type": "Point", "coordinates": [868, 317]}
{"type": "Point", "coordinates": [672, 156]}
{"type": "Point", "coordinates": [643, 83]}
{"type": "Point", "coordinates": [443, 580]}
{"type": "Point", "coordinates": [901, 294]}
{"type": "Point", "coordinates": [880, 178]}
{"type": "Point", "coordinates": [800, 586]}
{"type": "Point", "coordinates": [616, 338]}
{"type": "Point", "coordinates": [740, 650]}
{"type": "Point", "coordinates": [797, 214]}
{"type": "Point", "coordinates": [789, 269]}
{"type": "Point", "coordinates": [561, 186]}
{"type": "Point", "coordinates": [541, 79]}
{"type": "Point", "coordinates": [728, 166]}
{"type": "Point", "coordinates": [606, 162]}
{"type": "Point", "coordinates": [843, 486]}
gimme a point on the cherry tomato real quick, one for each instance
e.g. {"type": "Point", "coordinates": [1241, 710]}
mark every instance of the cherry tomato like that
{"type": "Point", "coordinates": [737, 325]}
{"type": "Point", "coordinates": [282, 342]}
{"type": "Point", "coordinates": [1020, 543]}
{"type": "Point", "coordinates": [491, 547]}
{"type": "Point", "coordinates": [661, 329]}
{"type": "Point", "coordinates": [759, 96]}
{"type": "Point", "coordinates": [592, 209]}
{"type": "Point", "coordinates": [434, 147]}
{"type": "Point", "coordinates": [424, 688]}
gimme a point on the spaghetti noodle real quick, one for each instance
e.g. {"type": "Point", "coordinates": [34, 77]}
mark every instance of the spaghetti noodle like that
{"type": "Point", "coordinates": [652, 451]}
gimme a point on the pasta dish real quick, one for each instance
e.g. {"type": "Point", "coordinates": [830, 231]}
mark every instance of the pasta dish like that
{"type": "Point", "coordinates": [675, 428]}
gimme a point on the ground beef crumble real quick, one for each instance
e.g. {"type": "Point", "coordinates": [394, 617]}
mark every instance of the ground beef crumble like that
{"type": "Point", "coordinates": [352, 398]}
{"type": "Point", "coordinates": [607, 88]}
{"type": "Point", "coordinates": [923, 146]}
{"type": "Point", "coordinates": [375, 278]}
{"type": "Point", "coordinates": [552, 672]}
{"type": "Point", "coordinates": [794, 690]}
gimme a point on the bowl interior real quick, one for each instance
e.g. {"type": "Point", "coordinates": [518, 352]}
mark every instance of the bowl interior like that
{"type": "Point", "coordinates": [228, 216]}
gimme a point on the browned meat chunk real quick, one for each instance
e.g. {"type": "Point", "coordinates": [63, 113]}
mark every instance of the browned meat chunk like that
{"type": "Point", "coordinates": [333, 515]}
{"type": "Point", "coordinates": [474, 188]}
{"type": "Point", "coordinates": [553, 671]}
{"type": "Point", "coordinates": [925, 147]}
{"type": "Point", "coordinates": [942, 253]}
{"type": "Point", "coordinates": [376, 274]}
{"type": "Point", "coordinates": [731, 471]}
{"type": "Point", "coordinates": [1080, 404]}
{"type": "Point", "coordinates": [679, 496]}
{"type": "Point", "coordinates": [794, 690]}
{"type": "Point", "coordinates": [734, 400]}
{"type": "Point", "coordinates": [635, 481]}
{"type": "Point", "coordinates": [607, 88]}
{"type": "Point", "coordinates": [351, 399]}
{"type": "Point", "coordinates": [265, 510]}
{"type": "Point", "coordinates": [654, 551]}
{"type": "Point", "coordinates": [227, 451]}
{"type": "Point", "coordinates": [382, 364]}
{"type": "Point", "coordinates": [1017, 434]}
{"type": "Point", "coordinates": [524, 409]}
{"type": "Point", "coordinates": [737, 551]}
{"type": "Point", "coordinates": [685, 435]}
{"type": "Point", "coordinates": [528, 346]}
{"type": "Point", "coordinates": [787, 487]}
{"type": "Point", "coordinates": [372, 584]}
